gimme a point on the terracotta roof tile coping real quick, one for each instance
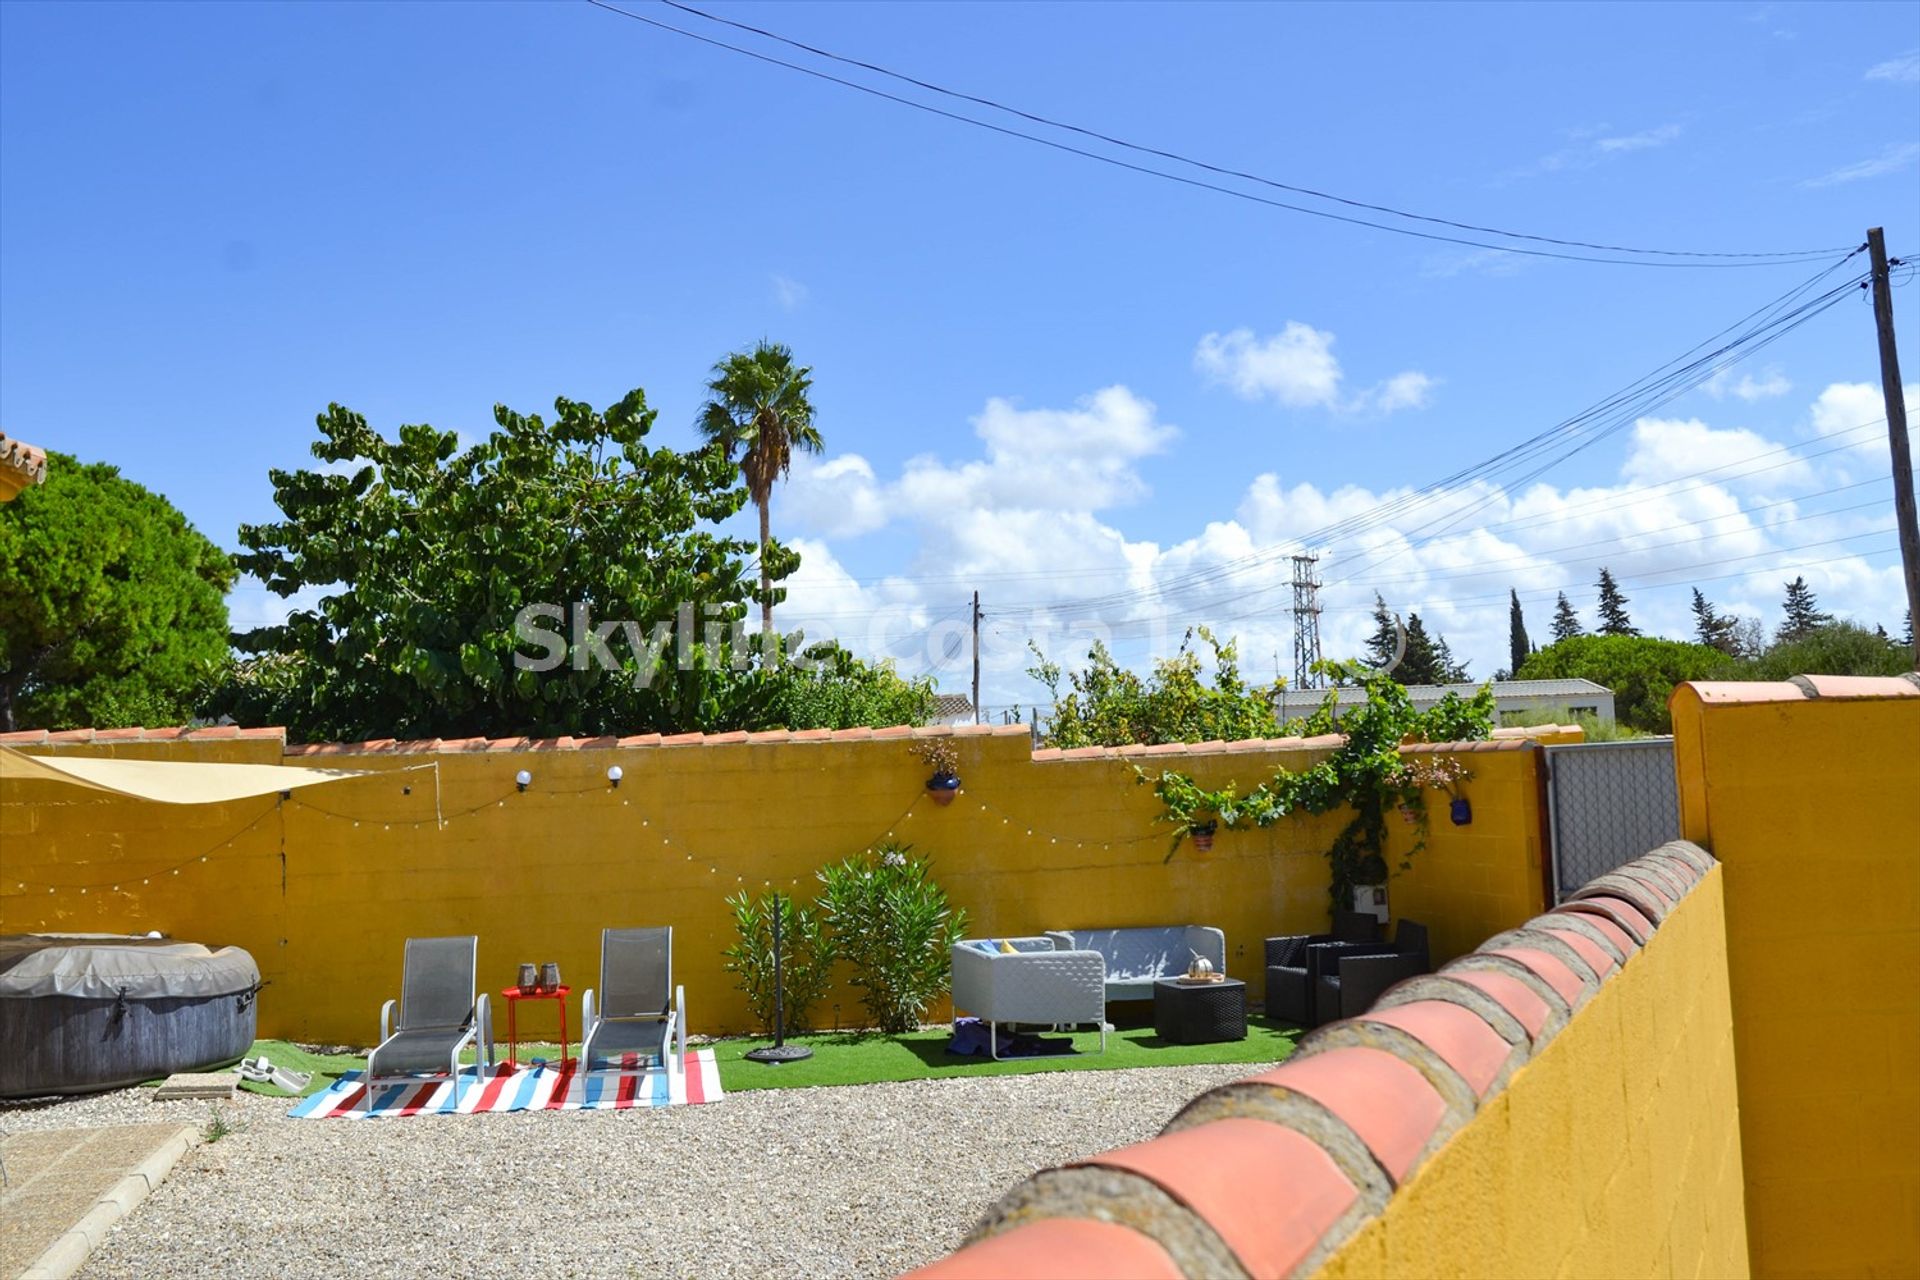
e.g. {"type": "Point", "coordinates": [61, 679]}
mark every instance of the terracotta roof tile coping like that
{"type": "Point", "coordinates": [1384, 1100]}
{"type": "Point", "coordinates": [1056, 1249]}
{"type": "Point", "coordinates": [1511, 994]}
{"type": "Point", "coordinates": [77, 737]}
{"type": "Point", "coordinates": [1550, 969]}
{"type": "Point", "coordinates": [1225, 1171]}
{"type": "Point", "coordinates": [1805, 688]}
{"type": "Point", "coordinates": [1597, 959]}
{"type": "Point", "coordinates": [1462, 1038]}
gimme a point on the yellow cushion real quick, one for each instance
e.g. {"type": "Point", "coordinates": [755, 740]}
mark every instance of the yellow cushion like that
{"type": "Point", "coordinates": [1006, 948]}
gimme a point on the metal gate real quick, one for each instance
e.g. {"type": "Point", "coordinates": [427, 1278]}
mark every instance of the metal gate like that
{"type": "Point", "coordinates": [1608, 803]}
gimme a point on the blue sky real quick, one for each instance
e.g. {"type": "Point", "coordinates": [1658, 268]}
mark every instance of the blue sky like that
{"type": "Point", "coordinates": [1067, 384]}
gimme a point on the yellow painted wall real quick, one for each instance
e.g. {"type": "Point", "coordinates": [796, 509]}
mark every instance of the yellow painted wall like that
{"type": "Point", "coordinates": [1471, 882]}
{"type": "Point", "coordinates": [1813, 807]}
{"type": "Point", "coordinates": [1029, 845]}
{"type": "Point", "coordinates": [1616, 1152]}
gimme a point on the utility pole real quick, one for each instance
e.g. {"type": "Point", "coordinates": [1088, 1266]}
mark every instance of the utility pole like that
{"type": "Point", "coordinates": [976, 657]}
{"type": "Point", "coordinates": [1890, 388]}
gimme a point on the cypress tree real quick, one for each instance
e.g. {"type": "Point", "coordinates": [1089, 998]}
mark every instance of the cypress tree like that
{"type": "Point", "coordinates": [1419, 665]}
{"type": "Point", "coordinates": [1517, 646]}
{"type": "Point", "coordinates": [1803, 616]}
{"type": "Point", "coordinates": [1385, 640]}
{"type": "Point", "coordinates": [1566, 623]}
{"type": "Point", "coordinates": [1613, 608]}
{"type": "Point", "coordinates": [1711, 627]}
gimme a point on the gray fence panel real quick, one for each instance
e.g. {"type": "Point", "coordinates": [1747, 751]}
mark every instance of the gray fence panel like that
{"type": "Point", "coordinates": [1608, 803]}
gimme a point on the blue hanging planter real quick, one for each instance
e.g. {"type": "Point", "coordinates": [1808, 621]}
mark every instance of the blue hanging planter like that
{"type": "Point", "coordinates": [1461, 811]}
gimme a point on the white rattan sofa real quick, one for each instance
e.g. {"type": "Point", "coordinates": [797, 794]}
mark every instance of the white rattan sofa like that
{"type": "Point", "coordinates": [1035, 984]}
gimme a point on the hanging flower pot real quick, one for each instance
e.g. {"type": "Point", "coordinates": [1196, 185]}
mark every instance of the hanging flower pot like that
{"type": "Point", "coordinates": [1202, 836]}
{"type": "Point", "coordinates": [944, 759]}
{"type": "Point", "coordinates": [1461, 811]}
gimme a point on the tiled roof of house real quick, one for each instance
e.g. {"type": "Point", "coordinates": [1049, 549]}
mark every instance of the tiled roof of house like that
{"type": "Point", "coordinates": [21, 464]}
{"type": "Point", "coordinates": [951, 704]}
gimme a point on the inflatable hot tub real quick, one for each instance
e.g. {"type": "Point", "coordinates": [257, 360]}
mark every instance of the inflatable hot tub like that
{"type": "Point", "coordinates": [85, 1012]}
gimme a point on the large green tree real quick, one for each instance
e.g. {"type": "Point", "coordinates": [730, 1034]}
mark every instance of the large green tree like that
{"type": "Point", "coordinates": [1833, 649]}
{"type": "Point", "coordinates": [560, 576]}
{"type": "Point", "coordinates": [112, 607]}
{"type": "Point", "coordinates": [1641, 671]}
{"type": "Point", "coordinates": [759, 410]}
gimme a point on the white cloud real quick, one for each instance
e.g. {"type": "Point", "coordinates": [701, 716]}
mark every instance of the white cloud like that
{"type": "Point", "coordinates": [838, 498]}
{"type": "Point", "coordinates": [1769, 384]}
{"type": "Point", "coordinates": [1904, 69]}
{"type": "Point", "coordinates": [1409, 390]}
{"type": "Point", "coordinates": [788, 292]}
{"type": "Point", "coordinates": [1857, 412]}
{"type": "Point", "coordinates": [1664, 449]}
{"type": "Point", "coordinates": [1485, 262]}
{"type": "Point", "coordinates": [1592, 146]}
{"type": "Point", "coordinates": [1645, 140]}
{"type": "Point", "coordinates": [1297, 368]}
{"type": "Point", "coordinates": [1891, 159]}
{"type": "Point", "coordinates": [1029, 522]}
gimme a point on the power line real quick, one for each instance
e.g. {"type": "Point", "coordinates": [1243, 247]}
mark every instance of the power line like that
{"type": "Point", "coordinates": [1784, 258]}
{"type": "Point", "coordinates": [1613, 412]}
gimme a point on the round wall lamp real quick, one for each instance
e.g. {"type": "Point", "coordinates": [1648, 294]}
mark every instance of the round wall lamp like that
{"type": "Point", "coordinates": [523, 779]}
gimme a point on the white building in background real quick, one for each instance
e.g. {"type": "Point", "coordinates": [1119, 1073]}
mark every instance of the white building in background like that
{"type": "Point", "coordinates": [952, 708]}
{"type": "Point", "coordinates": [1510, 698]}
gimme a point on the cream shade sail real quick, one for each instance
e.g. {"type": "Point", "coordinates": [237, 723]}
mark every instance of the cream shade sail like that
{"type": "Point", "coordinates": [167, 781]}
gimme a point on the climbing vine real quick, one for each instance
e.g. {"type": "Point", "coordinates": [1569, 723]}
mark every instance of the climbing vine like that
{"type": "Point", "coordinates": [1367, 773]}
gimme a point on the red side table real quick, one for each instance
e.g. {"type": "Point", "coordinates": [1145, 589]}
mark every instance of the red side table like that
{"type": "Point", "coordinates": [513, 996]}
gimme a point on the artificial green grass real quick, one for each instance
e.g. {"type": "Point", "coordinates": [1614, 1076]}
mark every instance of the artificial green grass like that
{"type": "Point", "coordinates": [922, 1055]}
{"type": "Point", "coordinates": [870, 1058]}
{"type": "Point", "coordinates": [326, 1067]}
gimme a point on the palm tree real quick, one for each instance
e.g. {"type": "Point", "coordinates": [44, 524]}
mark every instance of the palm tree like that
{"type": "Point", "coordinates": [759, 413]}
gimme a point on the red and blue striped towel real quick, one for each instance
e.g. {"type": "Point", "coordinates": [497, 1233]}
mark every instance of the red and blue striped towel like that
{"type": "Point", "coordinates": [538, 1087]}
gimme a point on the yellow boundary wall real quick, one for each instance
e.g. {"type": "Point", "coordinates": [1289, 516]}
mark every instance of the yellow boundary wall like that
{"type": "Point", "coordinates": [322, 888]}
{"type": "Point", "coordinates": [1808, 792]}
{"type": "Point", "coordinates": [1613, 1152]}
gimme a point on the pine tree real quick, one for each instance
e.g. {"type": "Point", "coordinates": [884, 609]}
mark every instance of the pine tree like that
{"type": "Point", "coordinates": [1445, 669]}
{"type": "Point", "coordinates": [1420, 665]}
{"type": "Point", "coordinates": [1517, 646]}
{"type": "Point", "coordinates": [1711, 627]}
{"type": "Point", "coordinates": [1906, 637]}
{"type": "Point", "coordinates": [1385, 640]}
{"type": "Point", "coordinates": [1803, 616]}
{"type": "Point", "coordinates": [1613, 608]}
{"type": "Point", "coordinates": [1566, 623]}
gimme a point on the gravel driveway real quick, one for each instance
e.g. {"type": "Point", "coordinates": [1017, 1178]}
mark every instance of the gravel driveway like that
{"type": "Point", "coordinates": [857, 1181]}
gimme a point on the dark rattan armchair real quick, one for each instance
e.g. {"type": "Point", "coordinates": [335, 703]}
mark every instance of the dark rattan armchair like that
{"type": "Point", "coordinates": [1347, 978]}
{"type": "Point", "coordinates": [1290, 987]}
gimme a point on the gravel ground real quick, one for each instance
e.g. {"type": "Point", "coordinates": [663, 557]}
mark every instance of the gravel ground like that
{"type": "Point", "coordinates": [858, 1181]}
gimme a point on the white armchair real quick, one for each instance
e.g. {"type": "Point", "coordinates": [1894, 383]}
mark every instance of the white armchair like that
{"type": "Point", "coordinates": [1034, 984]}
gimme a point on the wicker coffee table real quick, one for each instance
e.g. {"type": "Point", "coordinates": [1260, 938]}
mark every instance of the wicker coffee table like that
{"type": "Point", "coordinates": [1199, 1012]}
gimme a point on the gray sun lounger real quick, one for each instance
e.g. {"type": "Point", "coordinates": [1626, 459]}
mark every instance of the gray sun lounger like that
{"type": "Point", "coordinates": [639, 1010]}
{"type": "Point", "coordinates": [442, 1011]}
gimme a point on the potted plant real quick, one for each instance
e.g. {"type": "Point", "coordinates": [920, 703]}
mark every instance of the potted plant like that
{"type": "Point", "coordinates": [944, 759]}
{"type": "Point", "coordinates": [1201, 833]}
